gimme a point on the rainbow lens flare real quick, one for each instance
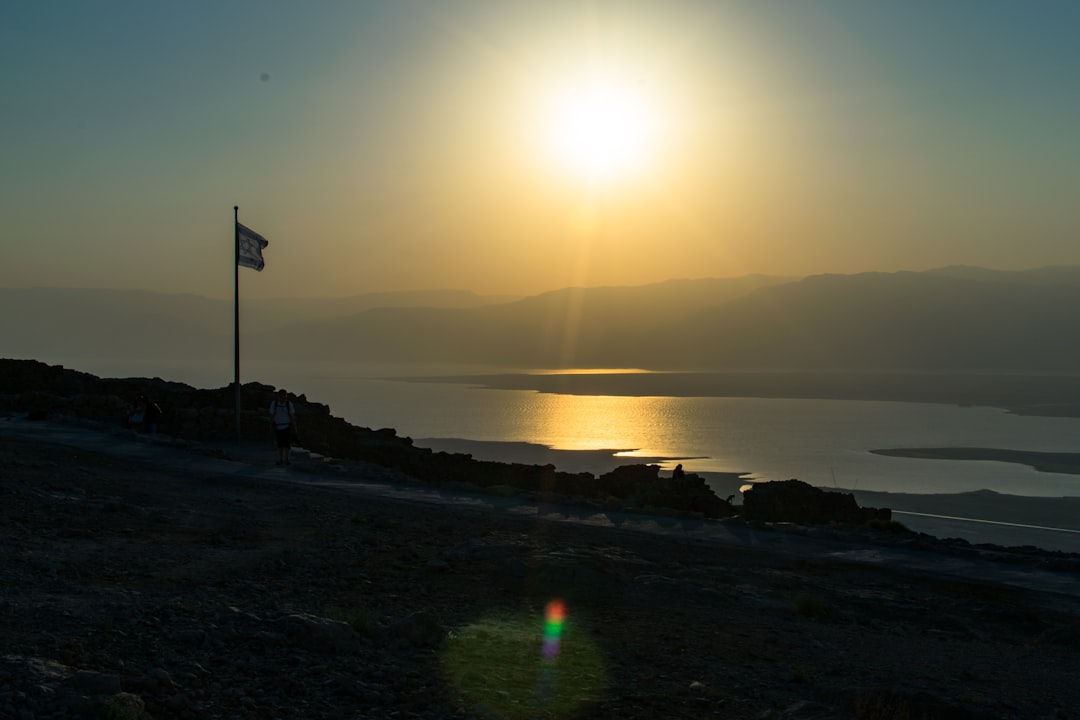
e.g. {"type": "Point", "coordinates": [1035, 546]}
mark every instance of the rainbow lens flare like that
{"type": "Point", "coordinates": [492, 668]}
{"type": "Point", "coordinates": [554, 619]}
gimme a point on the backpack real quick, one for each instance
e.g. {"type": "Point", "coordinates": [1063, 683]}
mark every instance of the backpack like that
{"type": "Point", "coordinates": [284, 418]}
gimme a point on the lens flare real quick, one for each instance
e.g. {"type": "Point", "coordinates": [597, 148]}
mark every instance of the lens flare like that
{"type": "Point", "coordinates": [492, 668]}
{"type": "Point", "coordinates": [554, 618]}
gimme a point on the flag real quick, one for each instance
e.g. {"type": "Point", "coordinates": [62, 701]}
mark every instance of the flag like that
{"type": "Point", "coordinates": [249, 250]}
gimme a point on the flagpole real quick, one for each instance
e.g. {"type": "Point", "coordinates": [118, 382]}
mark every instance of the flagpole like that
{"type": "Point", "coordinates": [236, 314]}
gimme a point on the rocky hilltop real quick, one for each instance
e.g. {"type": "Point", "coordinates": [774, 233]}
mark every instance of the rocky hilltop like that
{"type": "Point", "coordinates": [42, 391]}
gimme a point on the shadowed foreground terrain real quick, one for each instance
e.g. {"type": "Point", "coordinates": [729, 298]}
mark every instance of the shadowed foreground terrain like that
{"type": "Point", "coordinates": [130, 591]}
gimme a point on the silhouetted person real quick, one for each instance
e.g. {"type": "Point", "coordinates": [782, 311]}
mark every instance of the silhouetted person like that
{"type": "Point", "coordinates": [151, 417]}
{"type": "Point", "coordinates": [678, 472]}
{"type": "Point", "coordinates": [146, 415]}
{"type": "Point", "coordinates": [283, 418]}
{"type": "Point", "coordinates": [138, 414]}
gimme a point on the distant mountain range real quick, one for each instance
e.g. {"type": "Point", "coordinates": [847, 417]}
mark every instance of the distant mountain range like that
{"type": "Point", "coordinates": [949, 319]}
{"type": "Point", "coordinates": [55, 323]}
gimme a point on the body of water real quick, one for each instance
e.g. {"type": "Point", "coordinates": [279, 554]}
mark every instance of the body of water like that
{"type": "Point", "coordinates": [823, 442]}
{"type": "Point", "coordinates": [826, 443]}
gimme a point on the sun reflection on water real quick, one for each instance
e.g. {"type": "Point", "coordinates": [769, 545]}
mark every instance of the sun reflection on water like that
{"type": "Point", "coordinates": [634, 429]}
{"type": "Point", "coordinates": [633, 426]}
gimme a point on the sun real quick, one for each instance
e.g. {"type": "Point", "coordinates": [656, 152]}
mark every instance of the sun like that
{"type": "Point", "coordinates": [601, 128]}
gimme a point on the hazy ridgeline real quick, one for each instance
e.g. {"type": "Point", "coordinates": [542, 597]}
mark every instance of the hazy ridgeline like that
{"type": "Point", "coordinates": [952, 319]}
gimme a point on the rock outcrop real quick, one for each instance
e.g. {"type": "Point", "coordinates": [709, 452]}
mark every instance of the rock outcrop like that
{"type": "Point", "coordinates": [209, 415]}
{"type": "Point", "coordinates": [41, 390]}
{"type": "Point", "coordinates": [794, 501]}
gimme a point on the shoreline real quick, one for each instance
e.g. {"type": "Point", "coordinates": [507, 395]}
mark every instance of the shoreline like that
{"type": "Point", "coordinates": [596, 461]}
{"type": "Point", "coordinates": [981, 516]}
{"type": "Point", "coordinates": [174, 455]}
{"type": "Point", "coordinates": [1036, 395]}
{"type": "Point", "coordinates": [953, 507]}
{"type": "Point", "coordinates": [940, 519]}
{"type": "Point", "coordinates": [1048, 462]}
{"type": "Point", "coordinates": [986, 517]}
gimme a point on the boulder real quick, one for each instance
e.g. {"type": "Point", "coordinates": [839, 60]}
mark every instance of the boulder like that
{"type": "Point", "coordinates": [645, 488]}
{"type": "Point", "coordinates": [794, 501]}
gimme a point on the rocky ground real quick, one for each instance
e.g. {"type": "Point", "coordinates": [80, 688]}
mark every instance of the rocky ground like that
{"type": "Point", "coordinates": [128, 591]}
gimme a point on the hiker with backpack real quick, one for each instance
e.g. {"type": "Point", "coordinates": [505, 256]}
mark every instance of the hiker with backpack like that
{"type": "Point", "coordinates": [283, 420]}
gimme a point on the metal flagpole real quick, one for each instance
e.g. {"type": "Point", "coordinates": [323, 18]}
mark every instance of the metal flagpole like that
{"type": "Point", "coordinates": [236, 315]}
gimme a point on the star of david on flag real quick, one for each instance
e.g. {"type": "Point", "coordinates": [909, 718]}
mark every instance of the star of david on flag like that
{"type": "Point", "coordinates": [249, 251]}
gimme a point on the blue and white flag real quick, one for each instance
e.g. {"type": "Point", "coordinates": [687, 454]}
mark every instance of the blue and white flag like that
{"type": "Point", "coordinates": [250, 247]}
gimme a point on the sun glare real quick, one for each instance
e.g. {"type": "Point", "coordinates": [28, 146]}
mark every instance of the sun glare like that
{"type": "Point", "coordinates": [602, 129]}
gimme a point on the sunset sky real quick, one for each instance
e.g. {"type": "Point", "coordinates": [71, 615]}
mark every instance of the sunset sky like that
{"type": "Point", "coordinates": [514, 147]}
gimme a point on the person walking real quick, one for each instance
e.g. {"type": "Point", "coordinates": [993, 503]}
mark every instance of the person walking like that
{"type": "Point", "coordinates": [151, 417]}
{"type": "Point", "coordinates": [283, 418]}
